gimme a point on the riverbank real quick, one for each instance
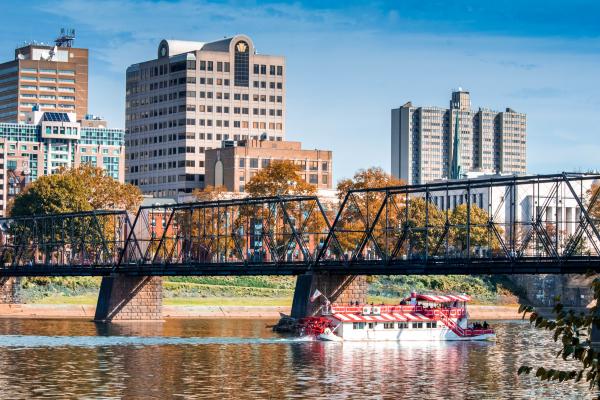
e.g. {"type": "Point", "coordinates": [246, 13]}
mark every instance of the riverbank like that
{"type": "Point", "coordinates": [86, 311]}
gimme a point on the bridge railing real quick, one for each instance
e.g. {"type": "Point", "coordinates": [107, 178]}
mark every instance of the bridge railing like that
{"type": "Point", "coordinates": [250, 231]}
{"type": "Point", "coordinates": [508, 219]}
{"type": "Point", "coordinates": [86, 241]}
{"type": "Point", "coordinates": [503, 224]}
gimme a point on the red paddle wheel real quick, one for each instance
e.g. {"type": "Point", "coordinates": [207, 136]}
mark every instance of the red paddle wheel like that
{"type": "Point", "coordinates": [313, 326]}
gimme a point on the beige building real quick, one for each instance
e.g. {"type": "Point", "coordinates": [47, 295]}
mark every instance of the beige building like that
{"type": "Point", "coordinates": [189, 100]}
{"type": "Point", "coordinates": [426, 147]}
{"type": "Point", "coordinates": [47, 141]}
{"type": "Point", "coordinates": [235, 165]}
{"type": "Point", "coordinates": [54, 78]}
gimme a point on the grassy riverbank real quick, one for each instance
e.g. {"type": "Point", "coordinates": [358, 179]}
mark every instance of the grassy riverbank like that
{"type": "Point", "coordinates": [268, 291]}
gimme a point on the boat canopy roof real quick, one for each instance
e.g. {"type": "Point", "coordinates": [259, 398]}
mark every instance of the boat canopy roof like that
{"type": "Point", "coordinates": [438, 298]}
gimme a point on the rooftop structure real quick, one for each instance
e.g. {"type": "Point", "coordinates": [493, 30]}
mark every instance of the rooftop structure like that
{"type": "Point", "coordinates": [50, 77]}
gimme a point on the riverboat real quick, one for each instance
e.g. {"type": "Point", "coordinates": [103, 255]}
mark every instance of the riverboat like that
{"type": "Point", "coordinates": [419, 317]}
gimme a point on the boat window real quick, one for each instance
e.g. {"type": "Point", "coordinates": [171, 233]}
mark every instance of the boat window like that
{"type": "Point", "coordinates": [402, 325]}
{"type": "Point", "coordinates": [372, 325]}
{"type": "Point", "coordinates": [417, 325]}
{"type": "Point", "coordinates": [432, 324]}
{"type": "Point", "coordinates": [358, 325]}
{"type": "Point", "coordinates": [388, 325]}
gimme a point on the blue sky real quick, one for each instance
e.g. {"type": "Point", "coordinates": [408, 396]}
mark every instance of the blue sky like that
{"type": "Point", "coordinates": [349, 63]}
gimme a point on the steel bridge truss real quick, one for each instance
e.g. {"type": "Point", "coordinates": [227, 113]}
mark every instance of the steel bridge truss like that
{"type": "Point", "coordinates": [531, 224]}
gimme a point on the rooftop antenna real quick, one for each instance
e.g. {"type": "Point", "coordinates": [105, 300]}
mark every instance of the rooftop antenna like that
{"type": "Point", "coordinates": [66, 38]}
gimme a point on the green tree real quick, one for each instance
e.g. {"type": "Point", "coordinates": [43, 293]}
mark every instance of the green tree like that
{"type": "Point", "coordinates": [480, 233]}
{"type": "Point", "coordinates": [573, 331]}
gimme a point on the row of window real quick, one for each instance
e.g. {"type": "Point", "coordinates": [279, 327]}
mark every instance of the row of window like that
{"type": "Point", "coordinates": [399, 325]}
{"type": "Point", "coordinates": [210, 66]}
{"type": "Point", "coordinates": [172, 137]}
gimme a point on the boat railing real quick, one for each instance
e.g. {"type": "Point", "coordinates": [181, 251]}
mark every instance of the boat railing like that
{"type": "Point", "coordinates": [429, 312]}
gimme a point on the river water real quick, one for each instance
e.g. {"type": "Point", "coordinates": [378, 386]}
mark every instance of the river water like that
{"type": "Point", "coordinates": [228, 359]}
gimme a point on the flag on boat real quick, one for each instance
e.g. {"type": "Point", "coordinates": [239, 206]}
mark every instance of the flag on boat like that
{"type": "Point", "coordinates": [315, 295]}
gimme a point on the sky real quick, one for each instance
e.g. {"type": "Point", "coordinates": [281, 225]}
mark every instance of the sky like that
{"type": "Point", "coordinates": [349, 63]}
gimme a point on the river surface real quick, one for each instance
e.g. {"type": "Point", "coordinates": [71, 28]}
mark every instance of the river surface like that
{"type": "Point", "coordinates": [230, 359]}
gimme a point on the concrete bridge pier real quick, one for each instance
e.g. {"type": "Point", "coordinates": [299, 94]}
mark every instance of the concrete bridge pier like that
{"type": "Point", "coordinates": [9, 291]}
{"type": "Point", "coordinates": [341, 289]}
{"type": "Point", "coordinates": [129, 298]}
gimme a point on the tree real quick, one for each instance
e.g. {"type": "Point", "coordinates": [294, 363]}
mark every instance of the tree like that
{"type": "Point", "coordinates": [280, 177]}
{"type": "Point", "coordinates": [374, 177]}
{"type": "Point", "coordinates": [480, 233]}
{"type": "Point", "coordinates": [83, 188]}
{"type": "Point", "coordinates": [87, 239]}
{"type": "Point", "coordinates": [210, 193]}
{"type": "Point", "coordinates": [361, 208]}
{"type": "Point", "coordinates": [573, 330]}
{"type": "Point", "coordinates": [271, 226]}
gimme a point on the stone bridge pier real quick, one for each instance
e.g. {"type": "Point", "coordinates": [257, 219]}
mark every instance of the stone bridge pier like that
{"type": "Point", "coordinates": [341, 289]}
{"type": "Point", "coordinates": [9, 291]}
{"type": "Point", "coordinates": [129, 298]}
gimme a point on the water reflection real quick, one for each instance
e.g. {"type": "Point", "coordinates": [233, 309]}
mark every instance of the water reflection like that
{"type": "Point", "coordinates": [243, 359]}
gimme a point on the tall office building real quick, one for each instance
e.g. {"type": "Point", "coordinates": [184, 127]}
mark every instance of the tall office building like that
{"type": "Point", "coordinates": [54, 78]}
{"type": "Point", "coordinates": [191, 98]}
{"type": "Point", "coordinates": [426, 146]}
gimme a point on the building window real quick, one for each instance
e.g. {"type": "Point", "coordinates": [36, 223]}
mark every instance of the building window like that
{"type": "Point", "coordinates": [358, 325]}
{"type": "Point", "coordinates": [388, 325]}
{"type": "Point", "coordinates": [313, 179]}
{"type": "Point", "coordinates": [242, 162]}
{"type": "Point", "coordinates": [241, 64]}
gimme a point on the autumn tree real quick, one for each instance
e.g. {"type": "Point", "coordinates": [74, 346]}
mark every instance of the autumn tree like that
{"type": "Point", "coordinates": [272, 225]}
{"type": "Point", "coordinates": [361, 208]}
{"type": "Point", "coordinates": [83, 188]}
{"type": "Point", "coordinates": [280, 177]}
{"type": "Point", "coordinates": [206, 232]}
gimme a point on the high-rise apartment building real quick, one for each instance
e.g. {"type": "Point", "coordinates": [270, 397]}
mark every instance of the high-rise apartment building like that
{"type": "Point", "coordinates": [47, 141]}
{"type": "Point", "coordinates": [426, 146]}
{"type": "Point", "coordinates": [53, 78]}
{"type": "Point", "coordinates": [191, 98]}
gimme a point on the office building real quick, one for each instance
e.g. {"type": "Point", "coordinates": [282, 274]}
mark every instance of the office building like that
{"type": "Point", "coordinates": [233, 166]}
{"type": "Point", "coordinates": [47, 141]}
{"type": "Point", "coordinates": [53, 78]}
{"type": "Point", "coordinates": [190, 99]}
{"type": "Point", "coordinates": [426, 146]}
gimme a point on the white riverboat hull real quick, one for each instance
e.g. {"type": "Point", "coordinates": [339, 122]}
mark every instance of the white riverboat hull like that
{"type": "Point", "coordinates": [346, 332]}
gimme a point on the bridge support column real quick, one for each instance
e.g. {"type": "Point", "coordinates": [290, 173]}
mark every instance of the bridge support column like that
{"type": "Point", "coordinates": [129, 298]}
{"type": "Point", "coordinates": [341, 289]}
{"type": "Point", "coordinates": [9, 291]}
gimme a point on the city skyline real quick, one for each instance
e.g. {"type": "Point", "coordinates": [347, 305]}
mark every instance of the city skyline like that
{"type": "Point", "coordinates": [542, 67]}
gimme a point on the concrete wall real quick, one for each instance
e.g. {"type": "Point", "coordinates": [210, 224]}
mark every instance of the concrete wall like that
{"type": "Point", "coordinates": [126, 298]}
{"type": "Point", "coordinates": [542, 290]}
{"type": "Point", "coordinates": [336, 288]}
